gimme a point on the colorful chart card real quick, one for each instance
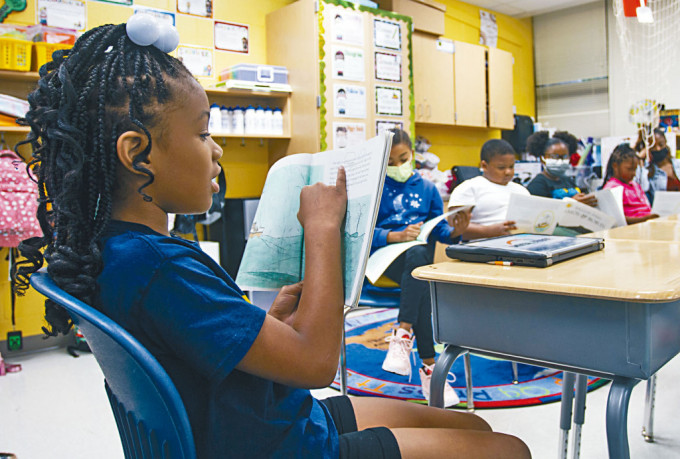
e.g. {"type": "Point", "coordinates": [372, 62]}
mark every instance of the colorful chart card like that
{"type": "Point", "coordinates": [198, 60]}
{"type": "Point", "coordinates": [230, 36]}
{"type": "Point", "coordinates": [67, 14]}
{"type": "Point", "coordinates": [348, 63]}
{"type": "Point", "coordinates": [386, 34]}
{"type": "Point", "coordinates": [348, 134]}
{"type": "Point", "coordinates": [196, 8]}
{"type": "Point", "coordinates": [165, 16]}
{"type": "Point", "coordinates": [388, 101]}
{"type": "Point", "coordinates": [385, 125]}
{"type": "Point", "coordinates": [387, 66]}
{"type": "Point", "coordinates": [348, 27]}
{"type": "Point", "coordinates": [350, 101]}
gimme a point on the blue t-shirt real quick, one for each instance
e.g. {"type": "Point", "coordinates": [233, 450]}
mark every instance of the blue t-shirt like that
{"type": "Point", "coordinates": [185, 309]}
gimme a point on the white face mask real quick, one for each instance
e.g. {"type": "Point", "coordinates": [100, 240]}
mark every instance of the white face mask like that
{"type": "Point", "coordinates": [556, 167]}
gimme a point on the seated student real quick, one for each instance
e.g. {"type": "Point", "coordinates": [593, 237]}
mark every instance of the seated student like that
{"type": "Point", "coordinates": [663, 168]}
{"type": "Point", "coordinates": [490, 192]}
{"type": "Point", "coordinates": [553, 182]}
{"type": "Point", "coordinates": [407, 201]}
{"type": "Point", "coordinates": [120, 139]}
{"type": "Point", "coordinates": [621, 172]}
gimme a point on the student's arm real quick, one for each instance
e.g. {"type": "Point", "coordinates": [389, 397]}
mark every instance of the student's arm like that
{"type": "Point", "coordinates": [632, 220]}
{"type": "Point", "coordinates": [477, 231]}
{"type": "Point", "coordinates": [305, 353]}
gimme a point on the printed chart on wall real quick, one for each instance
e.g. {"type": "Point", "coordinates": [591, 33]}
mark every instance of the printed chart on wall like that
{"type": "Point", "coordinates": [67, 14]}
{"type": "Point", "coordinates": [387, 34]}
{"type": "Point", "coordinates": [195, 8]}
{"type": "Point", "coordinates": [348, 26]}
{"type": "Point", "coordinates": [198, 60]}
{"type": "Point", "coordinates": [165, 16]}
{"type": "Point", "coordinates": [348, 63]}
{"type": "Point", "coordinates": [388, 101]}
{"type": "Point", "coordinates": [231, 37]}
{"type": "Point", "coordinates": [387, 66]}
{"type": "Point", "coordinates": [350, 101]}
{"type": "Point", "coordinates": [348, 134]}
{"type": "Point", "coordinates": [386, 125]}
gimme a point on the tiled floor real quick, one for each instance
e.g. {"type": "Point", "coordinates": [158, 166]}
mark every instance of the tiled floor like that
{"type": "Point", "coordinates": [56, 408]}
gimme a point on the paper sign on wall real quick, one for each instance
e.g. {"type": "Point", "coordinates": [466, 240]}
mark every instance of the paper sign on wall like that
{"type": "Point", "coordinates": [386, 34]}
{"type": "Point", "coordinates": [196, 8]}
{"type": "Point", "coordinates": [348, 134]}
{"type": "Point", "coordinates": [231, 37]}
{"type": "Point", "coordinates": [388, 101]}
{"type": "Point", "coordinates": [67, 14]}
{"type": "Point", "coordinates": [350, 101]}
{"type": "Point", "coordinates": [165, 16]}
{"type": "Point", "coordinates": [387, 66]}
{"type": "Point", "coordinates": [385, 125]}
{"type": "Point", "coordinates": [199, 61]}
{"type": "Point", "coordinates": [348, 63]}
{"type": "Point", "coordinates": [348, 27]}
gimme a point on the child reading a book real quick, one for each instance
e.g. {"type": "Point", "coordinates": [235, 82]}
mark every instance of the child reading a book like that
{"type": "Point", "coordinates": [663, 167]}
{"type": "Point", "coordinates": [490, 192]}
{"type": "Point", "coordinates": [119, 131]}
{"type": "Point", "coordinates": [554, 153]}
{"type": "Point", "coordinates": [407, 201]}
{"type": "Point", "coordinates": [621, 172]}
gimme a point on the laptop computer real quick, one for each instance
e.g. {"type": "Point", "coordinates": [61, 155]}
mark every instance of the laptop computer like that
{"type": "Point", "coordinates": [525, 249]}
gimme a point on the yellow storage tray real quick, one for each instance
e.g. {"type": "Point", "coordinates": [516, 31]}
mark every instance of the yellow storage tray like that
{"type": "Point", "coordinates": [43, 52]}
{"type": "Point", "coordinates": [15, 54]}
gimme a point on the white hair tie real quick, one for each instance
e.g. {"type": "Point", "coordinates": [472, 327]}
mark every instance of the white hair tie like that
{"type": "Point", "coordinates": [144, 30]}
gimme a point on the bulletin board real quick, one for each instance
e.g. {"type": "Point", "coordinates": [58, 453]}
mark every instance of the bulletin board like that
{"type": "Point", "coordinates": [366, 73]}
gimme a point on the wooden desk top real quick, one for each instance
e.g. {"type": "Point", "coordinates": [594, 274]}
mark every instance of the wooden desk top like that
{"type": "Point", "coordinates": [652, 230]}
{"type": "Point", "coordinates": [630, 270]}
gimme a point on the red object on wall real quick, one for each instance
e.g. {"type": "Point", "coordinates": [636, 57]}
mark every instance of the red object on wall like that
{"type": "Point", "coordinates": [629, 7]}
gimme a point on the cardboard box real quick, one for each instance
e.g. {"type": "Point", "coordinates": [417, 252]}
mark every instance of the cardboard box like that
{"type": "Point", "coordinates": [428, 15]}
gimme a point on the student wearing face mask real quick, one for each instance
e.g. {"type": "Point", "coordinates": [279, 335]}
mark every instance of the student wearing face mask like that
{"type": "Point", "coordinates": [554, 153]}
{"type": "Point", "coordinates": [407, 201]}
{"type": "Point", "coordinates": [663, 168]}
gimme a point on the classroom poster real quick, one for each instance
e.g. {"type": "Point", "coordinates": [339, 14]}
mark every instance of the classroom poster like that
{"type": "Point", "coordinates": [488, 29]}
{"type": "Point", "coordinates": [350, 101]}
{"type": "Point", "coordinates": [386, 125]}
{"type": "Point", "coordinates": [196, 8]}
{"type": "Point", "coordinates": [386, 34]}
{"type": "Point", "coordinates": [67, 14]}
{"type": "Point", "coordinates": [199, 61]}
{"type": "Point", "coordinates": [387, 66]}
{"type": "Point", "coordinates": [118, 2]}
{"type": "Point", "coordinates": [348, 134]}
{"type": "Point", "coordinates": [388, 101]}
{"type": "Point", "coordinates": [231, 37]}
{"type": "Point", "coordinates": [348, 63]}
{"type": "Point", "coordinates": [162, 15]}
{"type": "Point", "coordinates": [348, 27]}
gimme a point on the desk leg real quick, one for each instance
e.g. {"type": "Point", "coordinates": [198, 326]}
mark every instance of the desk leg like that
{"type": "Point", "coordinates": [579, 414]}
{"type": "Point", "coordinates": [441, 369]}
{"type": "Point", "coordinates": [617, 417]}
{"type": "Point", "coordinates": [468, 384]}
{"type": "Point", "coordinates": [565, 413]}
{"type": "Point", "coordinates": [650, 396]}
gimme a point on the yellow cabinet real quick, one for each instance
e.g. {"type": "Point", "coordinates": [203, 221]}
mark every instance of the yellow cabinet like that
{"type": "Point", "coordinates": [432, 81]}
{"type": "Point", "coordinates": [469, 81]}
{"type": "Point", "coordinates": [500, 89]}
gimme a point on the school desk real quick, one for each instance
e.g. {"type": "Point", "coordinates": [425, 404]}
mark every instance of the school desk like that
{"type": "Point", "coordinates": [661, 229]}
{"type": "Point", "coordinates": [614, 314]}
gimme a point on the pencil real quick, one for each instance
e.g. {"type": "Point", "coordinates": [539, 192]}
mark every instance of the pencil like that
{"type": "Point", "coordinates": [500, 263]}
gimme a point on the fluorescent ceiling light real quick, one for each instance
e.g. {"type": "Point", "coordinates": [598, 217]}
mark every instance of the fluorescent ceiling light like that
{"type": "Point", "coordinates": [644, 14]}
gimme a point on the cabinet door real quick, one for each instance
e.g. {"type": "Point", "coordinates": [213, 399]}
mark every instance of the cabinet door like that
{"type": "Point", "coordinates": [469, 73]}
{"type": "Point", "coordinates": [500, 89]}
{"type": "Point", "coordinates": [432, 81]}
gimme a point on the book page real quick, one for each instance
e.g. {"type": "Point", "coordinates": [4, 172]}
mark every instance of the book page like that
{"type": "Point", "coordinates": [666, 203]}
{"type": "Point", "coordinates": [534, 214]}
{"type": "Point", "coordinates": [610, 201]}
{"type": "Point", "coordinates": [273, 253]}
{"type": "Point", "coordinates": [582, 218]}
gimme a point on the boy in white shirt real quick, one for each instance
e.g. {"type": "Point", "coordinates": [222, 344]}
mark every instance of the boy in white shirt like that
{"type": "Point", "coordinates": [490, 192]}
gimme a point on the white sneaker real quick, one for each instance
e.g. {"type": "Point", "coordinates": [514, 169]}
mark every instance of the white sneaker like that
{"type": "Point", "coordinates": [450, 396]}
{"type": "Point", "coordinates": [397, 359]}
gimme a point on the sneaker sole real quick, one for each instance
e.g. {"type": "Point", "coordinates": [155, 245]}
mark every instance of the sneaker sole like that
{"type": "Point", "coordinates": [395, 371]}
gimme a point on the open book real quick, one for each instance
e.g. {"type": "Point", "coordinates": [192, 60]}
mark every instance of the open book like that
{"type": "Point", "coordinates": [566, 217]}
{"type": "Point", "coordinates": [274, 253]}
{"type": "Point", "coordinates": [666, 203]}
{"type": "Point", "coordinates": [384, 256]}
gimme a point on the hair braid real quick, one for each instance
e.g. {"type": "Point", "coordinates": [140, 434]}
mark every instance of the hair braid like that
{"type": "Point", "coordinates": [85, 99]}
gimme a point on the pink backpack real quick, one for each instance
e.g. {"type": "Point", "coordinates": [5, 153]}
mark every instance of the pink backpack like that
{"type": "Point", "coordinates": [18, 201]}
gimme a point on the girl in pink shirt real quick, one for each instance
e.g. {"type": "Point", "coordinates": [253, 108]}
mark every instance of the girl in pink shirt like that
{"type": "Point", "coordinates": [621, 172]}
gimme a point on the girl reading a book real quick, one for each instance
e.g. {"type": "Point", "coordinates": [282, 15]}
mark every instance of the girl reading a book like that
{"type": "Point", "coordinates": [407, 201]}
{"type": "Point", "coordinates": [621, 173]}
{"type": "Point", "coordinates": [119, 131]}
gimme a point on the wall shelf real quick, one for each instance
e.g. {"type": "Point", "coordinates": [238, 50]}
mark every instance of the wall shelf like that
{"type": "Point", "coordinates": [19, 129]}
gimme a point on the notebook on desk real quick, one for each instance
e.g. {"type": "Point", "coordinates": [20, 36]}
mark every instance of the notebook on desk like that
{"type": "Point", "coordinates": [525, 249]}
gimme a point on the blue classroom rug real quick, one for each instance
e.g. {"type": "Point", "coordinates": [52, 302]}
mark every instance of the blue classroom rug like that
{"type": "Point", "coordinates": [491, 378]}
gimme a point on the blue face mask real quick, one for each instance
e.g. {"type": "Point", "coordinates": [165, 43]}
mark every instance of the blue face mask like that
{"type": "Point", "coordinates": [400, 173]}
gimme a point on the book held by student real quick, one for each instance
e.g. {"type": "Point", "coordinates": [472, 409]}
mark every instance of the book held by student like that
{"type": "Point", "coordinates": [274, 253]}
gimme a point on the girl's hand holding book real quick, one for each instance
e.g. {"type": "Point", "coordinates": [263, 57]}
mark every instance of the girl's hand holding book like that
{"type": "Point", "coordinates": [324, 205]}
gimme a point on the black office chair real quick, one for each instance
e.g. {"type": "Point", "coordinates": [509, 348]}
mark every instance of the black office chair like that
{"type": "Point", "coordinates": [150, 415]}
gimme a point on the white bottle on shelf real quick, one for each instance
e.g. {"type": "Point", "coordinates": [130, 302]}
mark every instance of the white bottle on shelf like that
{"type": "Point", "coordinates": [277, 122]}
{"type": "Point", "coordinates": [259, 119]}
{"type": "Point", "coordinates": [238, 121]}
{"type": "Point", "coordinates": [226, 120]}
{"type": "Point", "coordinates": [249, 118]}
{"type": "Point", "coordinates": [269, 121]}
{"type": "Point", "coordinates": [215, 121]}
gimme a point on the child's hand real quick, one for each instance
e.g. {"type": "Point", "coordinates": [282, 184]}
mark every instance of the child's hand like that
{"type": "Point", "coordinates": [502, 228]}
{"type": "Point", "coordinates": [410, 233]}
{"type": "Point", "coordinates": [286, 302]}
{"type": "Point", "coordinates": [324, 205]}
{"type": "Point", "coordinates": [460, 222]}
{"type": "Point", "coordinates": [587, 199]}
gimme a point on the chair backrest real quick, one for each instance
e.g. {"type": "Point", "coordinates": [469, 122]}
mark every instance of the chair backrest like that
{"type": "Point", "coordinates": [150, 415]}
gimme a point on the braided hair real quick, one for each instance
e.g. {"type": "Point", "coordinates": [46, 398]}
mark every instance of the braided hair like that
{"type": "Point", "coordinates": [85, 99]}
{"type": "Point", "coordinates": [623, 152]}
